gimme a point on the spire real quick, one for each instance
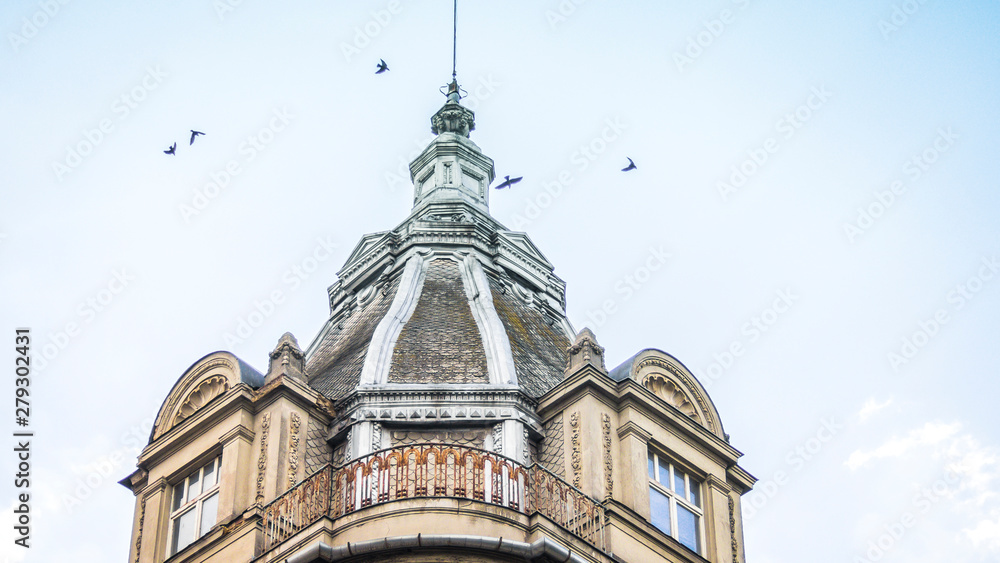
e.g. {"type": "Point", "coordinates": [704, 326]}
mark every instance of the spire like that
{"type": "Point", "coordinates": [453, 118]}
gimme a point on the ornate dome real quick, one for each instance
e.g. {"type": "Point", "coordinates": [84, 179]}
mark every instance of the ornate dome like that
{"type": "Point", "coordinates": [448, 297]}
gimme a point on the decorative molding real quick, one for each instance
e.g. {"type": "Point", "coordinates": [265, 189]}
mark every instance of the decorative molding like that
{"type": "Point", "coordinates": [576, 458]}
{"type": "Point", "coordinates": [631, 428]}
{"type": "Point", "coordinates": [293, 449]}
{"type": "Point", "coordinates": [138, 535]}
{"type": "Point", "coordinates": [265, 425]}
{"type": "Point", "coordinates": [200, 396]}
{"type": "Point", "coordinates": [732, 531]}
{"type": "Point", "coordinates": [608, 460]}
{"type": "Point", "coordinates": [376, 436]}
{"type": "Point", "coordinates": [526, 443]}
{"type": "Point", "coordinates": [498, 438]}
{"type": "Point", "coordinates": [710, 421]}
{"type": "Point", "coordinates": [413, 405]}
{"type": "Point", "coordinates": [670, 392]}
{"type": "Point", "coordinates": [468, 437]}
{"type": "Point", "coordinates": [453, 118]}
{"type": "Point", "coordinates": [349, 447]}
{"type": "Point", "coordinates": [496, 342]}
{"type": "Point", "coordinates": [378, 358]}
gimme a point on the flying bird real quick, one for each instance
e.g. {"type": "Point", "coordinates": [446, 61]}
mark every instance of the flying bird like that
{"type": "Point", "coordinates": [382, 67]}
{"type": "Point", "coordinates": [171, 150]}
{"type": "Point", "coordinates": [631, 165]}
{"type": "Point", "coordinates": [193, 135]}
{"type": "Point", "coordinates": [508, 181]}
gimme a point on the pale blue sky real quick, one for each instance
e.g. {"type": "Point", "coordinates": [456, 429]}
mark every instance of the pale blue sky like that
{"type": "Point", "coordinates": [541, 88]}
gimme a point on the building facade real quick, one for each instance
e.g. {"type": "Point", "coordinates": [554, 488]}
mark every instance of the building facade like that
{"type": "Point", "coordinates": [446, 411]}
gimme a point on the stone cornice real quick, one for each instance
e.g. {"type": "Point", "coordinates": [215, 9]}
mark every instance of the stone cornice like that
{"type": "Point", "coordinates": [739, 476]}
{"type": "Point", "coordinates": [410, 404]}
{"type": "Point", "coordinates": [238, 433]}
{"type": "Point", "coordinates": [634, 395]}
{"type": "Point", "coordinates": [586, 380]}
{"type": "Point", "coordinates": [631, 428]}
{"type": "Point", "coordinates": [237, 398]}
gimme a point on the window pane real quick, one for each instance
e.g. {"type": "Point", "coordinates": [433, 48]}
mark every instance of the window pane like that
{"type": "Point", "coordinates": [687, 527]}
{"type": "Point", "coordinates": [652, 468]}
{"type": "Point", "coordinates": [183, 531]}
{"type": "Point", "coordinates": [209, 512]}
{"type": "Point", "coordinates": [679, 484]}
{"type": "Point", "coordinates": [210, 475]}
{"type": "Point", "coordinates": [664, 472]}
{"type": "Point", "coordinates": [659, 505]}
{"type": "Point", "coordinates": [194, 486]}
{"type": "Point", "coordinates": [178, 496]}
{"type": "Point", "coordinates": [695, 492]}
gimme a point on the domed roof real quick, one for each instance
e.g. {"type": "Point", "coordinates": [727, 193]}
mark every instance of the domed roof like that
{"type": "Point", "coordinates": [448, 297]}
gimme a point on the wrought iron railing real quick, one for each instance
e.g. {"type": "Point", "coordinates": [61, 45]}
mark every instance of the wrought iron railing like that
{"type": "Point", "coordinates": [432, 470]}
{"type": "Point", "coordinates": [299, 507]}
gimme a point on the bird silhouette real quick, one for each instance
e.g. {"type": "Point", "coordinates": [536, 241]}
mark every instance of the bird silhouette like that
{"type": "Point", "coordinates": [508, 181]}
{"type": "Point", "coordinates": [631, 165]}
{"type": "Point", "coordinates": [171, 150]}
{"type": "Point", "coordinates": [382, 67]}
{"type": "Point", "coordinates": [193, 135]}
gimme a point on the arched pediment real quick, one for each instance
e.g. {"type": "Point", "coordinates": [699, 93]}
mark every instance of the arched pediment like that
{"type": "Point", "coordinates": [208, 378]}
{"type": "Point", "coordinates": [667, 378]}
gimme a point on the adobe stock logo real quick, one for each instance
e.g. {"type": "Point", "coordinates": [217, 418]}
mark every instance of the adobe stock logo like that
{"type": "Point", "coordinates": [47, 10]}
{"type": "Point", "coordinates": [958, 298]}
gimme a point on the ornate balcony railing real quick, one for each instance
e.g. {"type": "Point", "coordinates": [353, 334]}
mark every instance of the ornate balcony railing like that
{"type": "Point", "coordinates": [433, 470]}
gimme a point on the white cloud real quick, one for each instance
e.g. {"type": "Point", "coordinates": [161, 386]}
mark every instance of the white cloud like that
{"type": "Point", "coordinates": [930, 434]}
{"type": "Point", "coordinates": [985, 534]}
{"type": "Point", "coordinates": [871, 407]}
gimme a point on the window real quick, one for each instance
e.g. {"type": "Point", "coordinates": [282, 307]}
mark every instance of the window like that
{"type": "Point", "coordinates": [195, 506]}
{"type": "Point", "coordinates": [675, 501]}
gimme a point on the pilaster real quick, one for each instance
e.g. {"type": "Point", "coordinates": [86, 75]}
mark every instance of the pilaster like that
{"type": "Point", "coordinates": [235, 494]}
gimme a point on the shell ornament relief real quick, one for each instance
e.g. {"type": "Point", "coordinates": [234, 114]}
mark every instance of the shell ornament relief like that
{"type": "Point", "coordinates": [671, 393]}
{"type": "Point", "coordinates": [202, 394]}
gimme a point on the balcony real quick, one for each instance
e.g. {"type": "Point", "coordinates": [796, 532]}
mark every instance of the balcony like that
{"type": "Point", "coordinates": [433, 471]}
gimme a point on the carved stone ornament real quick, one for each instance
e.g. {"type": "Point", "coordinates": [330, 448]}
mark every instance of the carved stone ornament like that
{"type": "Point", "coordinates": [576, 459]}
{"type": "Point", "coordinates": [732, 531]}
{"type": "Point", "coordinates": [293, 449]}
{"type": "Point", "coordinates": [709, 421]}
{"type": "Point", "coordinates": [671, 393]}
{"type": "Point", "coordinates": [138, 535]}
{"type": "Point", "coordinates": [608, 460]}
{"type": "Point", "coordinates": [498, 438]}
{"type": "Point", "coordinates": [287, 359]}
{"type": "Point", "coordinates": [585, 351]}
{"type": "Point", "coordinates": [201, 395]}
{"type": "Point", "coordinates": [453, 118]}
{"type": "Point", "coordinates": [265, 425]}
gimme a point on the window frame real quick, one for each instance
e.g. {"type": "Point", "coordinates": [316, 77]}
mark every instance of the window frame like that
{"type": "Point", "coordinates": [196, 504]}
{"type": "Point", "coordinates": [694, 488]}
